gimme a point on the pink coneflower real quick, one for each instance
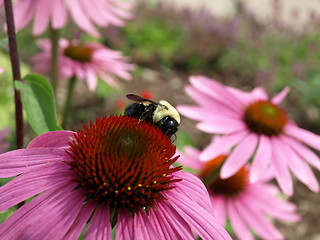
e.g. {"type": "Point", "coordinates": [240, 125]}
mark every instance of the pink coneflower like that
{"type": "Point", "coordinates": [254, 127]}
{"type": "Point", "coordinates": [4, 145]}
{"type": "Point", "coordinates": [84, 61]}
{"type": "Point", "coordinates": [116, 172]}
{"type": "Point", "coordinates": [86, 14]}
{"type": "Point", "coordinates": [248, 206]}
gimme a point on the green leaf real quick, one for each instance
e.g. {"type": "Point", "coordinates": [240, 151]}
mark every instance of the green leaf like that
{"type": "Point", "coordinates": [38, 103]}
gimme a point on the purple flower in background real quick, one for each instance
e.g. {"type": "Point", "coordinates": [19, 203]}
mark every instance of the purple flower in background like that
{"type": "Point", "coordinates": [86, 14]}
{"type": "Point", "coordinates": [111, 173]}
{"type": "Point", "coordinates": [84, 61]}
{"type": "Point", "coordinates": [248, 206]}
{"type": "Point", "coordinates": [253, 127]}
{"type": "Point", "coordinates": [4, 145]}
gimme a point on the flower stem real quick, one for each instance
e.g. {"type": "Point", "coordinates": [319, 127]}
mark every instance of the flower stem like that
{"type": "Point", "coordinates": [71, 85]}
{"type": "Point", "coordinates": [54, 36]}
{"type": "Point", "coordinates": [15, 64]}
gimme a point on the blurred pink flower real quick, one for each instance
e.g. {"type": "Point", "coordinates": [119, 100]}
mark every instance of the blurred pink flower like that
{"type": "Point", "coordinates": [257, 127]}
{"type": "Point", "coordinates": [248, 206]}
{"type": "Point", "coordinates": [84, 13]}
{"type": "Point", "coordinates": [84, 61]}
{"type": "Point", "coordinates": [1, 70]}
{"type": "Point", "coordinates": [4, 145]}
{"type": "Point", "coordinates": [112, 172]}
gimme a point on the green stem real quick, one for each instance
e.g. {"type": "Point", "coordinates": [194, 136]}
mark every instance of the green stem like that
{"type": "Point", "coordinates": [67, 105]}
{"type": "Point", "coordinates": [15, 63]}
{"type": "Point", "coordinates": [54, 36]}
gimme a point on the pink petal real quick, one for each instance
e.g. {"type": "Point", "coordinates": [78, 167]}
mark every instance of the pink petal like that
{"type": "Point", "coordinates": [280, 96]}
{"type": "Point", "coordinates": [218, 91]}
{"type": "Point", "coordinates": [221, 145]}
{"type": "Point", "coordinates": [33, 182]}
{"type": "Point", "coordinates": [201, 221]}
{"type": "Point", "coordinates": [257, 221]}
{"type": "Point", "coordinates": [124, 226]}
{"type": "Point", "coordinates": [168, 222]}
{"type": "Point", "coordinates": [299, 168]}
{"type": "Point", "coordinates": [23, 13]}
{"type": "Point", "coordinates": [222, 125]}
{"type": "Point", "coordinates": [99, 226]}
{"type": "Point", "coordinates": [80, 221]}
{"type": "Point", "coordinates": [195, 112]}
{"type": "Point", "coordinates": [280, 168]}
{"type": "Point", "coordinates": [238, 224]}
{"type": "Point", "coordinates": [48, 216]}
{"type": "Point", "coordinates": [195, 188]}
{"type": "Point", "coordinates": [219, 209]}
{"type": "Point", "coordinates": [19, 161]}
{"type": "Point", "coordinates": [239, 156]}
{"type": "Point", "coordinates": [305, 136]}
{"type": "Point", "coordinates": [143, 229]}
{"type": "Point", "coordinates": [256, 94]}
{"type": "Point", "coordinates": [42, 17]}
{"type": "Point", "coordinates": [303, 151]}
{"type": "Point", "coordinates": [58, 14]}
{"type": "Point", "coordinates": [55, 139]}
{"type": "Point", "coordinates": [262, 159]}
{"type": "Point", "coordinates": [91, 79]}
{"type": "Point", "coordinates": [81, 18]}
{"type": "Point", "coordinates": [271, 205]}
{"type": "Point", "coordinates": [190, 158]}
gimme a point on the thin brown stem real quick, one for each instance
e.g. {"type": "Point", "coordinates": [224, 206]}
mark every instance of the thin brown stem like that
{"type": "Point", "coordinates": [15, 64]}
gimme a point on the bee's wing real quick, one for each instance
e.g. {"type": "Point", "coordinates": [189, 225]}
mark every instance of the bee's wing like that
{"type": "Point", "coordinates": [137, 98]}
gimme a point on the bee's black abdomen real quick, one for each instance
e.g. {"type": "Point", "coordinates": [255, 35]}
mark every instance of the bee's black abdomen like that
{"type": "Point", "coordinates": [140, 111]}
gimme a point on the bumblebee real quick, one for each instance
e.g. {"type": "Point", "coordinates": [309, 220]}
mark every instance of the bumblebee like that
{"type": "Point", "coordinates": [162, 114]}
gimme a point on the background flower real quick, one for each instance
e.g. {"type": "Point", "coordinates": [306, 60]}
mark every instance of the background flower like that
{"type": "Point", "coordinates": [111, 167]}
{"type": "Point", "coordinates": [84, 13]}
{"type": "Point", "coordinates": [258, 128]}
{"type": "Point", "coordinates": [84, 61]}
{"type": "Point", "coordinates": [248, 206]}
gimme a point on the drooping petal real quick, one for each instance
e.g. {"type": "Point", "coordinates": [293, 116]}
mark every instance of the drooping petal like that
{"type": "Point", "coordinates": [54, 139]}
{"type": "Point", "coordinates": [23, 13]}
{"type": "Point", "coordinates": [257, 221]}
{"type": "Point", "coordinates": [239, 226]}
{"type": "Point", "coordinates": [124, 226]}
{"type": "Point", "coordinates": [279, 166]}
{"type": "Point", "coordinates": [221, 145]}
{"type": "Point", "coordinates": [280, 96]}
{"type": "Point", "coordinates": [22, 160]}
{"type": "Point", "coordinates": [80, 221]}
{"type": "Point", "coordinates": [262, 159]}
{"type": "Point", "coordinates": [42, 17]}
{"type": "Point", "coordinates": [303, 152]}
{"type": "Point", "coordinates": [200, 219]}
{"type": "Point", "coordinates": [58, 14]}
{"type": "Point", "coordinates": [299, 168]}
{"type": "Point", "coordinates": [48, 216]}
{"type": "Point", "coordinates": [304, 136]}
{"type": "Point", "coordinates": [219, 209]}
{"type": "Point", "coordinates": [99, 227]}
{"type": "Point", "coordinates": [33, 182]}
{"type": "Point", "coordinates": [239, 156]}
{"type": "Point", "coordinates": [168, 223]}
{"type": "Point", "coordinates": [191, 187]}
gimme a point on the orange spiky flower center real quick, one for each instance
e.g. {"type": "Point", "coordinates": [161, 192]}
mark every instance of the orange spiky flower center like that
{"type": "Point", "coordinates": [264, 117]}
{"type": "Point", "coordinates": [123, 162]}
{"type": "Point", "coordinates": [228, 187]}
{"type": "Point", "coordinates": [78, 52]}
